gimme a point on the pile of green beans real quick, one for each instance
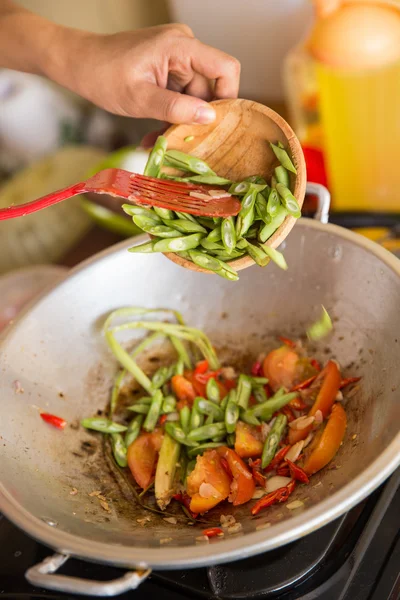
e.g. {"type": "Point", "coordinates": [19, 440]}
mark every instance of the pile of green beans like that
{"type": "Point", "coordinates": [210, 422]}
{"type": "Point", "coordinates": [211, 243]}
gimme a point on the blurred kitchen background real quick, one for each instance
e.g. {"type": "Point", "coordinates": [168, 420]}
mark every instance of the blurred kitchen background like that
{"type": "Point", "coordinates": [49, 138]}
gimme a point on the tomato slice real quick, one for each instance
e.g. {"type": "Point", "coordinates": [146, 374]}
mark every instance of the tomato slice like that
{"type": "Point", "coordinates": [201, 367]}
{"type": "Point", "coordinates": [142, 457]}
{"type": "Point", "coordinates": [331, 379]}
{"type": "Point", "coordinates": [281, 367]}
{"type": "Point", "coordinates": [248, 442]}
{"type": "Point", "coordinates": [242, 485]}
{"type": "Point", "coordinates": [208, 470]}
{"type": "Point", "coordinates": [325, 446]}
{"type": "Point", "coordinates": [183, 390]}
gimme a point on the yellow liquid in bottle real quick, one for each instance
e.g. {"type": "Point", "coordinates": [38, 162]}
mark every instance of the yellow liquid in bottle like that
{"type": "Point", "coordinates": [360, 115]}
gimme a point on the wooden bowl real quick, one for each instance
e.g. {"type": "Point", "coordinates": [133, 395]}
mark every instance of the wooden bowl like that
{"type": "Point", "coordinates": [236, 146]}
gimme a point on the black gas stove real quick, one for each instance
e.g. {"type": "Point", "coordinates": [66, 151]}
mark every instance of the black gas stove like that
{"type": "Point", "coordinates": [357, 557]}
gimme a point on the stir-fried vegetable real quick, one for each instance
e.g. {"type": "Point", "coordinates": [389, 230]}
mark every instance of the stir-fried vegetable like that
{"type": "Point", "coordinates": [212, 243]}
{"type": "Point", "coordinates": [202, 434]}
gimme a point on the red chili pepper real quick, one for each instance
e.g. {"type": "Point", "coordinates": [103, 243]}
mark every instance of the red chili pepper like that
{"type": "Point", "coordinates": [286, 410]}
{"type": "Point", "coordinates": [254, 463]}
{"type": "Point", "coordinates": [297, 403]}
{"type": "Point", "coordinates": [258, 478]}
{"type": "Point", "coordinates": [287, 341]}
{"type": "Point", "coordinates": [201, 367]}
{"type": "Point", "coordinates": [297, 472]}
{"type": "Point", "coordinates": [163, 418]}
{"type": "Point", "coordinates": [348, 381]}
{"type": "Point", "coordinates": [268, 390]}
{"type": "Point", "coordinates": [213, 532]}
{"type": "Point", "coordinates": [229, 384]}
{"type": "Point", "coordinates": [256, 369]}
{"type": "Point", "coordinates": [53, 420]}
{"type": "Point", "coordinates": [280, 495]}
{"type": "Point", "coordinates": [278, 458]}
{"type": "Point", "coordinates": [204, 377]}
{"type": "Point", "coordinates": [304, 384]}
{"type": "Point", "coordinates": [225, 466]}
{"type": "Point", "coordinates": [315, 364]}
{"type": "Point", "coordinates": [283, 471]}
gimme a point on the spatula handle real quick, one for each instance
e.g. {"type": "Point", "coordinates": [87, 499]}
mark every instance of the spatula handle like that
{"type": "Point", "coordinates": [29, 207]}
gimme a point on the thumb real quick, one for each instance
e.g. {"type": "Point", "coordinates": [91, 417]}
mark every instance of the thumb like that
{"type": "Point", "coordinates": [173, 107]}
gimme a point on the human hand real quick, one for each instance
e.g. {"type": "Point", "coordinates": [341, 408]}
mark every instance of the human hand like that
{"type": "Point", "coordinates": [162, 72]}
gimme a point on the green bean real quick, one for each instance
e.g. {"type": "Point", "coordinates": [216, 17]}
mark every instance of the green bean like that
{"type": "Point", "coordinates": [209, 420]}
{"type": "Point", "coordinates": [242, 188]}
{"type": "Point", "coordinates": [103, 425]}
{"type": "Point", "coordinates": [127, 361]}
{"type": "Point", "coordinates": [249, 418]}
{"type": "Point", "coordinates": [182, 352]}
{"type": "Point", "coordinates": [185, 226]}
{"type": "Point", "coordinates": [162, 375]}
{"type": "Point", "coordinates": [178, 244]}
{"type": "Point", "coordinates": [228, 234]}
{"type": "Point", "coordinates": [156, 157]}
{"type": "Point", "coordinates": [169, 404]}
{"type": "Point", "coordinates": [178, 434]}
{"type": "Point", "coordinates": [184, 417]}
{"type": "Point", "coordinates": [258, 380]}
{"type": "Point", "coordinates": [132, 211]}
{"type": "Point", "coordinates": [252, 232]}
{"type": "Point", "coordinates": [243, 391]}
{"type": "Point", "coordinates": [283, 158]}
{"type": "Point", "coordinates": [119, 449]}
{"type": "Point", "coordinates": [154, 411]}
{"type": "Point", "coordinates": [186, 216]}
{"type": "Point", "coordinates": [320, 328]}
{"type": "Point", "coordinates": [282, 176]}
{"type": "Point", "coordinates": [212, 390]}
{"type": "Point", "coordinates": [144, 222]}
{"type": "Point", "coordinates": [206, 407]}
{"type": "Point", "coordinates": [256, 179]}
{"type": "Point", "coordinates": [215, 235]}
{"type": "Point", "coordinates": [219, 438]}
{"type": "Point", "coordinates": [265, 410]}
{"type": "Point", "coordinates": [183, 465]}
{"type": "Point", "coordinates": [230, 439]}
{"type": "Point", "coordinates": [213, 264]}
{"type": "Point", "coordinates": [206, 222]}
{"type": "Point", "coordinates": [273, 439]}
{"type": "Point", "coordinates": [188, 138]}
{"type": "Point", "coordinates": [231, 412]}
{"type": "Point", "coordinates": [273, 182]}
{"type": "Point", "coordinates": [162, 231]}
{"type": "Point", "coordinates": [180, 160]}
{"type": "Point", "coordinates": [224, 403]}
{"type": "Point", "coordinates": [133, 430]}
{"type": "Point", "coordinates": [196, 418]}
{"type": "Point", "coordinates": [144, 248]}
{"type": "Point", "coordinates": [225, 257]}
{"type": "Point", "coordinates": [261, 208]}
{"type": "Point", "coordinates": [139, 408]}
{"type": "Point", "coordinates": [276, 257]}
{"type": "Point", "coordinates": [241, 244]}
{"type": "Point", "coordinates": [276, 222]}
{"type": "Point", "coordinates": [288, 200]}
{"type": "Point", "coordinates": [273, 203]}
{"type": "Point", "coordinates": [246, 215]}
{"type": "Point", "coordinates": [209, 180]}
{"type": "Point", "coordinates": [280, 145]}
{"type": "Point", "coordinates": [259, 394]}
{"type": "Point", "coordinates": [207, 432]}
{"type": "Point", "coordinates": [202, 448]}
{"type": "Point", "coordinates": [179, 367]}
{"type": "Point", "coordinates": [211, 245]}
{"type": "Point", "coordinates": [257, 254]}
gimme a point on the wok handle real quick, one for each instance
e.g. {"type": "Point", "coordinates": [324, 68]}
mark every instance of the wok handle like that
{"type": "Point", "coordinates": [41, 575]}
{"type": "Point", "coordinates": [324, 201]}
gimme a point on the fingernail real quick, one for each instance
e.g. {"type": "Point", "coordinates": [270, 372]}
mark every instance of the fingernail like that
{"type": "Point", "coordinates": [204, 115]}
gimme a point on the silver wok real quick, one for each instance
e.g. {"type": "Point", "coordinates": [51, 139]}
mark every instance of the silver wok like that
{"type": "Point", "coordinates": [57, 355]}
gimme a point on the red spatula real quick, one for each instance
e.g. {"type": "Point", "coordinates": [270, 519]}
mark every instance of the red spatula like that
{"type": "Point", "coordinates": [142, 190]}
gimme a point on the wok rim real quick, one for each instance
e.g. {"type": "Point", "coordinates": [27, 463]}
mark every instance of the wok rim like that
{"type": "Point", "coordinates": [229, 548]}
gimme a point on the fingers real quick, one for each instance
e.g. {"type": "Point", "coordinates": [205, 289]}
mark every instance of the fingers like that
{"type": "Point", "coordinates": [200, 87]}
{"type": "Point", "coordinates": [215, 64]}
{"type": "Point", "coordinates": [173, 107]}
